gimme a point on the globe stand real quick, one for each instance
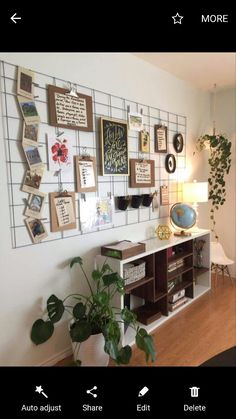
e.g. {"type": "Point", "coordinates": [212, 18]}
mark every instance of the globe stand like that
{"type": "Point", "coordinates": [182, 233]}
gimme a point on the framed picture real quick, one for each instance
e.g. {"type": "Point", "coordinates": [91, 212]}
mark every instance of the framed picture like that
{"type": "Point", "coordinates": [178, 143]}
{"type": "Point", "coordinates": [32, 180]}
{"type": "Point", "coordinates": [62, 211]}
{"type": "Point", "coordinates": [25, 80]}
{"type": "Point", "coordinates": [36, 229]}
{"type": "Point", "coordinates": [85, 168]}
{"type": "Point", "coordinates": [96, 213]}
{"type": "Point", "coordinates": [35, 205]}
{"type": "Point", "coordinates": [32, 155]}
{"type": "Point", "coordinates": [114, 139]}
{"type": "Point", "coordinates": [170, 163]}
{"type": "Point", "coordinates": [69, 111]}
{"type": "Point", "coordinates": [29, 111]}
{"type": "Point", "coordinates": [135, 121]}
{"type": "Point", "coordinates": [160, 135]}
{"type": "Point", "coordinates": [164, 195]}
{"type": "Point", "coordinates": [60, 153]}
{"type": "Point", "coordinates": [144, 141]}
{"type": "Point", "coordinates": [142, 173]}
{"type": "Point", "coordinates": [30, 134]}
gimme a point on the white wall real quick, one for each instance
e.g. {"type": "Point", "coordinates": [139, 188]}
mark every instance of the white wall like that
{"type": "Point", "coordinates": [28, 274]}
{"type": "Point", "coordinates": [225, 217]}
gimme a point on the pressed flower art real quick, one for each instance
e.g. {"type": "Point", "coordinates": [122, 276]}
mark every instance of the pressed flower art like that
{"type": "Point", "coordinates": [60, 153]}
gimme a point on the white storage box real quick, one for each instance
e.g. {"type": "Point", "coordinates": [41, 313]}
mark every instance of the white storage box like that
{"type": "Point", "coordinates": [133, 272]}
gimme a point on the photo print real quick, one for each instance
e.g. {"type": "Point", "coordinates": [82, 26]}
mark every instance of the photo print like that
{"type": "Point", "coordinates": [29, 110]}
{"type": "Point", "coordinates": [32, 180]}
{"type": "Point", "coordinates": [35, 205]}
{"type": "Point", "coordinates": [135, 121]}
{"type": "Point", "coordinates": [36, 229]}
{"type": "Point", "coordinates": [32, 155]}
{"type": "Point", "coordinates": [25, 80]}
{"type": "Point", "coordinates": [30, 134]}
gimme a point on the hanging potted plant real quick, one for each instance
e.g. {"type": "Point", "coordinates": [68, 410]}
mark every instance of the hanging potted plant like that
{"type": "Point", "coordinates": [94, 324]}
{"type": "Point", "coordinates": [220, 163]}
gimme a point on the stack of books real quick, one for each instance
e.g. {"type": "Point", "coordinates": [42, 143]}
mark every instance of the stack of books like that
{"type": "Point", "coordinates": [175, 265]}
{"type": "Point", "coordinates": [177, 300]}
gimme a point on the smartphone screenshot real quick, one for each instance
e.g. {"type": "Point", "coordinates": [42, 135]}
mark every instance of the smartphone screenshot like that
{"type": "Point", "coordinates": [117, 216]}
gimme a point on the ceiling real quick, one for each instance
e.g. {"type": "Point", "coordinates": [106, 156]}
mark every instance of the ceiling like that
{"type": "Point", "coordinates": [202, 70]}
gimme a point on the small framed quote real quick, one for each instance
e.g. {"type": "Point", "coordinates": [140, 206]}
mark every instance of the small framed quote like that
{"type": "Point", "coordinates": [160, 136]}
{"type": "Point", "coordinates": [164, 194]}
{"type": "Point", "coordinates": [142, 173]}
{"type": "Point", "coordinates": [85, 168]}
{"type": "Point", "coordinates": [69, 111]}
{"type": "Point", "coordinates": [114, 139]}
{"type": "Point", "coordinates": [62, 210]}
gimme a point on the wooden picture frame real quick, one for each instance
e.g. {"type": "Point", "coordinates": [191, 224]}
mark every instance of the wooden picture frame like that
{"type": "Point", "coordinates": [53, 213]}
{"type": "Point", "coordinates": [142, 173]}
{"type": "Point", "coordinates": [144, 142]}
{"type": "Point", "coordinates": [114, 146]}
{"type": "Point", "coordinates": [85, 169]}
{"type": "Point", "coordinates": [69, 111]}
{"type": "Point", "coordinates": [160, 137]}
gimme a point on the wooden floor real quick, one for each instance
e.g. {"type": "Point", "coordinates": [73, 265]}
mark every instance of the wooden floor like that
{"type": "Point", "coordinates": [198, 332]}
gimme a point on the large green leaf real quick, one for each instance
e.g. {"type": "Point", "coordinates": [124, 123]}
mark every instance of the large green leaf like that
{"type": "Point", "coordinates": [111, 349]}
{"type": "Point", "coordinates": [79, 311]}
{"type": "Point", "coordinates": [124, 355]}
{"type": "Point", "coordinates": [112, 331]}
{"type": "Point", "coordinates": [55, 308]}
{"type": "Point", "coordinates": [145, 342]}
{"type": "Point", "coordinates": [110, 278]}
{"type": "Point", "coordinates": [128, 316]}
{"type": "Point", "coordinates": [101, 298]}
{"type": "Point", "coordinates": [41, 331]}
{"type": "Point", "coordinates": [80, 331]}
{"type": "Point", "coordinates": [96, 274]}
{"type": "Point", "coordinates": [76, 260]}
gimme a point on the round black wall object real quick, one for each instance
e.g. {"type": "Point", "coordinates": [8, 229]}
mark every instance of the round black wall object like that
{"type": "Point", "coordinates": [170, 163]}
{"type": "Point", "coordinates": [178, 143]}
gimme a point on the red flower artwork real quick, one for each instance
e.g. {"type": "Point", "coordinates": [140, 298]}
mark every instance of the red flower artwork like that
{"type": "Point", "coordinates": [60, 152]}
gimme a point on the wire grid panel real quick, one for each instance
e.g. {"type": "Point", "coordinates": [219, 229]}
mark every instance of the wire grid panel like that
{"type": "Point", "coordinates": [104, 105]}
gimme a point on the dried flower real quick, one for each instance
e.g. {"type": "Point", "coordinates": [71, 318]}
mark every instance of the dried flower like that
{"type": "Point", "coordinates": [198, 245]}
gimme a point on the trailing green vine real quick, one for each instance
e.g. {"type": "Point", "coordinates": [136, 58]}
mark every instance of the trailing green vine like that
{"type": "Point", "coordinates": [220, 163]}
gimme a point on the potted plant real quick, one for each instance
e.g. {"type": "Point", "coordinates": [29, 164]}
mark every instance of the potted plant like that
{"type": "Point", "coordinates": [220, 163]}
{"type": "Point", "coordinates": [92, 318]}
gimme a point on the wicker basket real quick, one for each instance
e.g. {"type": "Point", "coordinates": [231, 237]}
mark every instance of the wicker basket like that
{"type": "Point", "coordinates": [133, 272]}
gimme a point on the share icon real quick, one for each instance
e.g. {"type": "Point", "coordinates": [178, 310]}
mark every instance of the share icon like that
{"type": "Point", "coordinates": [91, 392]}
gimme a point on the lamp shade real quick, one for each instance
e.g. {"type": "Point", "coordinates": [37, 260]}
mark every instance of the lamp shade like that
{"type": "Point", "coordinates": [195, 192]}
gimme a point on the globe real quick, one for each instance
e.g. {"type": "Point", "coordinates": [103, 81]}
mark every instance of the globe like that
{"type": "Point", "coordinates": [183, 216]}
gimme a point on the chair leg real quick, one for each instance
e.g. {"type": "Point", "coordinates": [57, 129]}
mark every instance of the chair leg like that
{"type": "Point", "coordinates": [227, 270]}
{"type": "Point", "coordinates": [223, 273]}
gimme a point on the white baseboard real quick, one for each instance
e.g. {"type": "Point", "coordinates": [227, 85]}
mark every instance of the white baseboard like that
{"type": "Point", "coordinates": [56, 358]}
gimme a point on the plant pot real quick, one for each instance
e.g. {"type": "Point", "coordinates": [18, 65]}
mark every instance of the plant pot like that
{"type": "Point", "coordinates": [147, 200]}
{"type": "Point", "coordinates": [136, 201]}
{"type": "Point", "coordinates": [91, 352]}
{"type": "Point", "coordinates": [123, 202]}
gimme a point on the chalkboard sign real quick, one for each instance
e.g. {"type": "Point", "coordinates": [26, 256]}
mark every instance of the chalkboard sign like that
{"type": "Point", "coordinates": [67, 111]}
{"type": "Point", "coordinates": [114, 140]}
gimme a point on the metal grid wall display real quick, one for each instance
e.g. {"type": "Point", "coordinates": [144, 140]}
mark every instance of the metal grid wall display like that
{"type": "Point", "coordinates": [104, 104]}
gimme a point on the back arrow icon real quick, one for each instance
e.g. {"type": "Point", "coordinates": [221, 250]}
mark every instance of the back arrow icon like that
{"type": "Point", "coordinates": [14, 17]}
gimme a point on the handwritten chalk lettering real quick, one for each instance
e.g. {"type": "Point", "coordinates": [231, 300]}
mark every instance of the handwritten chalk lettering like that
{"type": "Point", "coordinates": [71, 110]}
{"type": "Point", "coordinates": [115, 149]}
{"type": "Point", "coordinates": [142, 173]}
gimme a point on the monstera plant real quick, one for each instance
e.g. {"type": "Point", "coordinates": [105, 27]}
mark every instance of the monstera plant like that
{"type": "Point", "coordinates": [220, 163]}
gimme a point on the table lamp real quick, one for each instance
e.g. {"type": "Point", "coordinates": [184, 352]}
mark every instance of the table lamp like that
{"type": "Point", "coordinates": [195, 192]}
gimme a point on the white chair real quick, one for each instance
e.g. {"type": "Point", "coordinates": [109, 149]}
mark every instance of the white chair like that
{"type": "Point", "coordinates": [219, 260]}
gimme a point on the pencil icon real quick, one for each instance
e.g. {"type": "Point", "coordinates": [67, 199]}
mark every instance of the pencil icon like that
{"type": "Point", "coordinates": [143, 391]}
